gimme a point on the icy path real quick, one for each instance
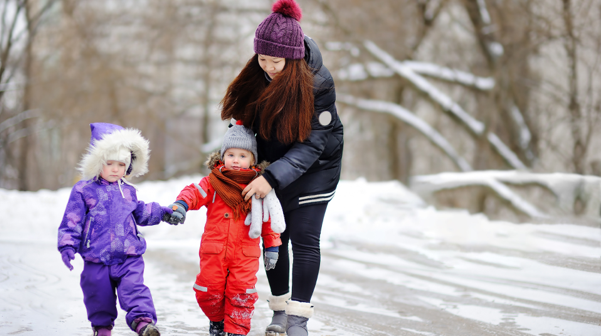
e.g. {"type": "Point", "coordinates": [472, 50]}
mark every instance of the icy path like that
{"type": "Point", "coordinates": [390, 266]}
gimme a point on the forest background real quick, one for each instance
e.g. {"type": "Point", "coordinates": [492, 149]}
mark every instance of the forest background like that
{"type": "Point", "coordinates": [424, 87]}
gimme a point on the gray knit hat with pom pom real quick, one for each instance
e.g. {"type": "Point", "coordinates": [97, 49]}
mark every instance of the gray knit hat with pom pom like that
{"type": "Point", "coordinates": [238, 136]}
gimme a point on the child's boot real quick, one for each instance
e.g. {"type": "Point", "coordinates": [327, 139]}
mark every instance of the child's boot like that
{"type": "Point", "coordinates": [147, 329]}
{"type": "Point", "coordinates": [297, 315]}
{"type": "Point", "coordinates": [102, 331]}
{"type": "Point", "coordinates": [216, 328]}
{"type": "Point", "coordinates": [278, 325]}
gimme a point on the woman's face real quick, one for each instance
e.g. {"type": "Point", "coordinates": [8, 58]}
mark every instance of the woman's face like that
{"type": "Point", "coordinates": [271, 65]}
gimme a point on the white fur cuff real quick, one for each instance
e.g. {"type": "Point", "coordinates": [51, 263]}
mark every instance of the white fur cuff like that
{"type": "Point", "coordinates": [278, 303]}
{"type": "Point", "coordinates": [303, 309]}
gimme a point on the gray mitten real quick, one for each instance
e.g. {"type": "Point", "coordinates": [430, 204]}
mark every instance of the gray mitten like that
{"type": "Point", "coordinates": [273, 210]}
{"type": "Point", "coordinates": [254, 218]}
{"type": "Point", "coordinates": [178, 216]}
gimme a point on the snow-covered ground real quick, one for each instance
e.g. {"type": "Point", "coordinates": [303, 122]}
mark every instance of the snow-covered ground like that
{"type": "Point", "coordinates": [391, 266]}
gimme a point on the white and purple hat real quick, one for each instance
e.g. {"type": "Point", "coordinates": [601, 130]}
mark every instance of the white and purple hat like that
{"type": "Point", "coordinates": [113, 142]}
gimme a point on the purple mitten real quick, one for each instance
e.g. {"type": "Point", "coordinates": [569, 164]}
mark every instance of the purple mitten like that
{"type": "Point", "coordinates": [67, 255]}
{"type": "Point", "coordinates": [167, 211]}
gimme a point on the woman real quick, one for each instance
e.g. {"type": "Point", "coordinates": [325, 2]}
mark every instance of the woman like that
{"type": "Point", "coordinates": [287, 97]}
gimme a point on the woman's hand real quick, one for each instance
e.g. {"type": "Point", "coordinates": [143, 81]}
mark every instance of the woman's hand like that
{"type": "Point", "coordinates": [258, 187]}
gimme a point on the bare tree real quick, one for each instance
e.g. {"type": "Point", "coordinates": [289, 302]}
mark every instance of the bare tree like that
{"type": "Point", "coordinates": [20, 22]}
{"type": "Point", "coordinates": [487, 42]}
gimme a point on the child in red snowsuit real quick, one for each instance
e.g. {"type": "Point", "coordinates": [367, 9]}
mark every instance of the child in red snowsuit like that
{"type": "Point", "coordinates": [225, 287]}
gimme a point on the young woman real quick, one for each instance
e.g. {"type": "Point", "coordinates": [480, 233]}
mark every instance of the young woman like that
{"type": "Point", "coordinates": [287, 97]}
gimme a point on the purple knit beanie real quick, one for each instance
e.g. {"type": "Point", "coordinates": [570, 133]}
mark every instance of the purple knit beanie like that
{"type": "Point", "coordinates": [280, 34]}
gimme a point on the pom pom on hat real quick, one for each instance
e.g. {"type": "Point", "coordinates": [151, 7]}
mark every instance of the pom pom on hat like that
{"type": "Point", "coordinates": [289, 8]}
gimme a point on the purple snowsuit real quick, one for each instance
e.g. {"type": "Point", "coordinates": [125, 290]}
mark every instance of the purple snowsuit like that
{"type": "Point", "coordinates": [100, 224]}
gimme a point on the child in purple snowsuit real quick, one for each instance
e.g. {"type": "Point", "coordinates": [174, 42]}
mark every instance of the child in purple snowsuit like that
{"type": "Point", "coordinates": [100, 223]}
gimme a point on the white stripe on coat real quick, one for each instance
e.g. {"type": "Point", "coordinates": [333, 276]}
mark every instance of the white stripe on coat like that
{"type": "Point", "coordinates": [200, 288]}
{"type": "Point", "coordinates": [326, 199]}
{"type": "Point", "coordinates": [203, 193]}
{"type": "Point", "coordinates": [319, 195]}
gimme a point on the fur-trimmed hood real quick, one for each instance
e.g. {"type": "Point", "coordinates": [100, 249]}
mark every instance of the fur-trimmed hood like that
{"type": "Point", "coordinates": [216, 157]}
{"type": "Point", "coordinates": [106, 139]}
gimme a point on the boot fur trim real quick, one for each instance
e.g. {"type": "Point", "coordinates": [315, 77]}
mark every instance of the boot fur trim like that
{"type": "Point", "coordinates": [278, 303]}
{"type": "Point", "coordinates": [303, 309]}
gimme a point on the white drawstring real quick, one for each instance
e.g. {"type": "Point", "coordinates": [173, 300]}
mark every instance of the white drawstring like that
{"type": "Point", "coordinates": [119, 184]}
{"type": "Point", "coordinates": [123, 180]}
{"type": "Point", "coordinates": [128, 183]}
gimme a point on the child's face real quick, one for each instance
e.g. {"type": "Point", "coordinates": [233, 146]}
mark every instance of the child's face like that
{"type": "Point", "coordinates": [237, 159]}
{"type": "Point", "coordinates": [113, 171]}
{"type": "Point", "coordinates": [271, 65]}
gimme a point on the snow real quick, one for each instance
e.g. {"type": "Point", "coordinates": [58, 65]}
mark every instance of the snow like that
{"type": "Point", "coordinates": [566, 187]}
{"type": "Point", "coordinates": [386, 254]}
{"type": "Point", "coordinates": [484, 13]}
{"type": "Point", "coordinates": [359, 71]}
{"type": "Point", "coordinates": [451, 181]}
{"type": "Point", "coordinates": [452, 75]}
{"type": "Point", "coordinates": [496, 49]}
{"type": "Point", "coordinates": [525, 133]}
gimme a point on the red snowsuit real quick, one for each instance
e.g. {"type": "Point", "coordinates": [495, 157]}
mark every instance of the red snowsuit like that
{"type": "Point", "coordinates": [228, 255]}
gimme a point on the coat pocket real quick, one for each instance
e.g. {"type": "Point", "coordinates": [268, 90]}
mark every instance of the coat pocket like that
{"type": "Point", "coordinates": [212, 247]}
{"type": "Point", "coordinates": [251, 251]}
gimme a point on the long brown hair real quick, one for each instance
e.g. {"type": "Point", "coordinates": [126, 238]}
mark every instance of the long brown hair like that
{"type": "Point", "coordinates": [287, 102]}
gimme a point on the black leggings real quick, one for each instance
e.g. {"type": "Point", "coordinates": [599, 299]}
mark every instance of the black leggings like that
{"type": "Point", "coordinates": [303, 227]}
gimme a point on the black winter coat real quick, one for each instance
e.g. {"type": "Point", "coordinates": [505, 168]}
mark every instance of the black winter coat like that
{"type": "Point", "coordinates": [307, 173]}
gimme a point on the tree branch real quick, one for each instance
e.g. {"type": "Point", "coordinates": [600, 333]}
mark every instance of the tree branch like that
{"type": "Point", "coordinates": [475, 127]}
{"type": "Point", "coordinates": [409, 118]}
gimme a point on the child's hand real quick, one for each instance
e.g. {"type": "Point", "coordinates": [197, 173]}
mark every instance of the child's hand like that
{"type": "Point", "coordinates": [67, 255]}
{"type": "Point", "coordinates": [167, 211]}
{"type": "Point", "coordinates": [270, 257]}
{"type": "Point", "coordinates": [178, 215]}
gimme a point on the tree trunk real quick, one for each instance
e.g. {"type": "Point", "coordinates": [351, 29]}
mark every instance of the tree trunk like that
{"type": "Point", "coordinates": [26, 142]}
{"type": "Point", "coordinates": [574, 108]}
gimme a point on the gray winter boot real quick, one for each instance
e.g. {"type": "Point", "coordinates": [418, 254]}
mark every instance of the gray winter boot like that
{"type": "Point", "coordinates": [278, 325]}
{"type": "Point", "coordinates": [297, 315]}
